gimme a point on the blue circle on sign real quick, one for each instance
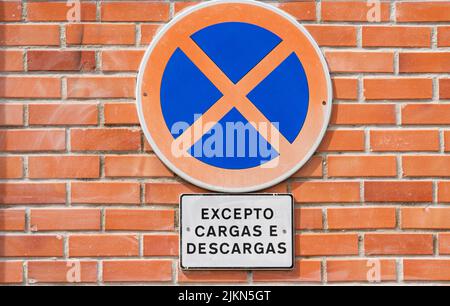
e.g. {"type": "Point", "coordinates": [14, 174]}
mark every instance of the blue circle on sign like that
{"type": "Point", "coordinates": [236, 48]}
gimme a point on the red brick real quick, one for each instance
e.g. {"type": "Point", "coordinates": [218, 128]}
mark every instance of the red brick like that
{"type": "Point", "coordinates": [121, 60]}
{"type": "Point", "coordinates": [299, 10]}
{"type": "Point", "coordinates": [147, 146]}
{"type": "Point", "coordinates": [313, 168]}
{"type": "Point", "coordinates": [398, 89]}
{"type": "Point", "coordinates": [425, 166]}
{"type": "Point", "coordinates": [59, 11]}
{"type": "Point", "coordinates": [103, 245]}
{"type": "Point", "coordinates": [11, 61]}
{"type": "Point", "coordinates": [105, 140]}
{"type": "Point", "coordinates": [135, 166]}
{"type": "Point", "coordinates": [10, 11]}
{"type": "Point", "coordinates": [148, 31]}
{"type": "Point", "coordinates": [32, 140]}
{"type": "Point", "coordinates": [342, 140]}
{"type": "Point", "coordinates": [11, 114]}
{"type": "Point", "coordinates": [333, 36]}
{"type": "Point", "coordinates": [135, 11]}
{"type": "Point", "coordinates": [212, 277]}
{"type": "Point", "coordinates": [308, 219]}
{"type": "Point", "coordinates": [161, 245]}
{"type": "Point", "coordinates": [31, 246]}
{"type": "Point", "coordinates": [351, 11]}
{"type": "Point", "coordinates": [426, 270]}
{"type": "Point", "coordinates": [345, 89]}
{"type": "Point", "coordinates": [304, 271]}
{"type": "Point", "coordinates": [363, 114]}
{"type": "Point", "coordinates": [11, 272]}
{"type": "Point", "coordinates": [424, 11]}
{"type": "Point", "coordinates": [40, 60]}
{"type": "Point", "coordinates": [444, 88]}
{"type": "Point", "coordinates": [444, 244]}
{"type": "Point", "coordinates": [100, 87]}
{"type": "Point", "coordinates": [52, 167]}
{"type": "Point", "coordinates": [140, 220]}
{"type": "Point", "coordinates": [444, 36]}
{"type": "Point", "coordinates": [360, 270]}
{"type": "Point", "coordinates": [65, 220]}
{"type": "Point", "coordinates": [105, 193]}
{"type": "Point", "coordinates": [30, 193]}
{"type": "Point", "coordinates": [12, 220]}
{"type": "Point", "coordinates": [167, 193]}
{"type": "Point", "coordinates": [447, 141]}
{"type": "Point", "coordinates": [63, 114]}
{"type": "Point", "coordinates": [398, 191]}
{"type": "Point", "coordinates": [11, 167]}
{"type": "Point", "coordinates": [424, 62]}
{"type": "Point", "coordinates": [326, 244]}
{"type": "Point", "coordinates": [404, 140]}
{"type": "Point", "coordinates": [180, 6]}
{"type": "Point", "coordinates": [362, 166]}
{"type": "Point", "coordinates": [426, 114]}
{"type": "Point", "coordinates": [425, 218]}
{"type": "Point", "coordinates": [137, 271]}
{"type": "Point", "coordinates": [100, 34]}
{"type": "Point", "coordinates": [444, 192]}
{"type": "Point", "coordinates": [362, 218]}
{"type": "Point", "coordinates": [396, 36]}
{"type": "Point", "coordinates": [29, 35]}
{"type": "Point", "coordinates": [398, 244]}
{"type": "Point", "coordinates": [348, 62]}
{"type": "Point", "coordinates": [30, 87]}
{"type": "Point", "coordinates": [62, 272]}
{"type": "Point", "coordinates": [326, 192]}
{"type": "Point", "coordinates": [121, 114]}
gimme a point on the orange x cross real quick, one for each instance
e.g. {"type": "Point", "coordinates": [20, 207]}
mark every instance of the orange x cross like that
{"type": "Point", "coordinates": [234, 95]}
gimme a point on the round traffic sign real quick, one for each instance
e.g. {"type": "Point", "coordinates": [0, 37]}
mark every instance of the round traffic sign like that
{"type": "Point", "coordinates": [234, 96]}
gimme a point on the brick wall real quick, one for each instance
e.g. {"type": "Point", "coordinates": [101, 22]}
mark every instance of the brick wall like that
{"type": "Point", "coordinates": [80, 188]}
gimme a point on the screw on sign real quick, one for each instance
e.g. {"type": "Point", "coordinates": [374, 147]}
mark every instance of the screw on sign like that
{"type": "Point", "coordinates": [234, 96]}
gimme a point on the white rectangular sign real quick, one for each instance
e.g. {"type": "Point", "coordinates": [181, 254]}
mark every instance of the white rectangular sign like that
{"type": "Point", "coordinates": [253, 231]}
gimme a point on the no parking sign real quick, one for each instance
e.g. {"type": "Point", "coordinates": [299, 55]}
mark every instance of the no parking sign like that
{"type": "Point", "coordinates": [234, 96]}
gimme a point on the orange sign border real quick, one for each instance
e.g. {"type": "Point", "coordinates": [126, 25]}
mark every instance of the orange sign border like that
{"type": "Point", "coordinates": [266, 16]}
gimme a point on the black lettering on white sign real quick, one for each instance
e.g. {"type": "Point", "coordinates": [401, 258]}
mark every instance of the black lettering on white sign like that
{"type": "Point", "coordinates": [236, 231]}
